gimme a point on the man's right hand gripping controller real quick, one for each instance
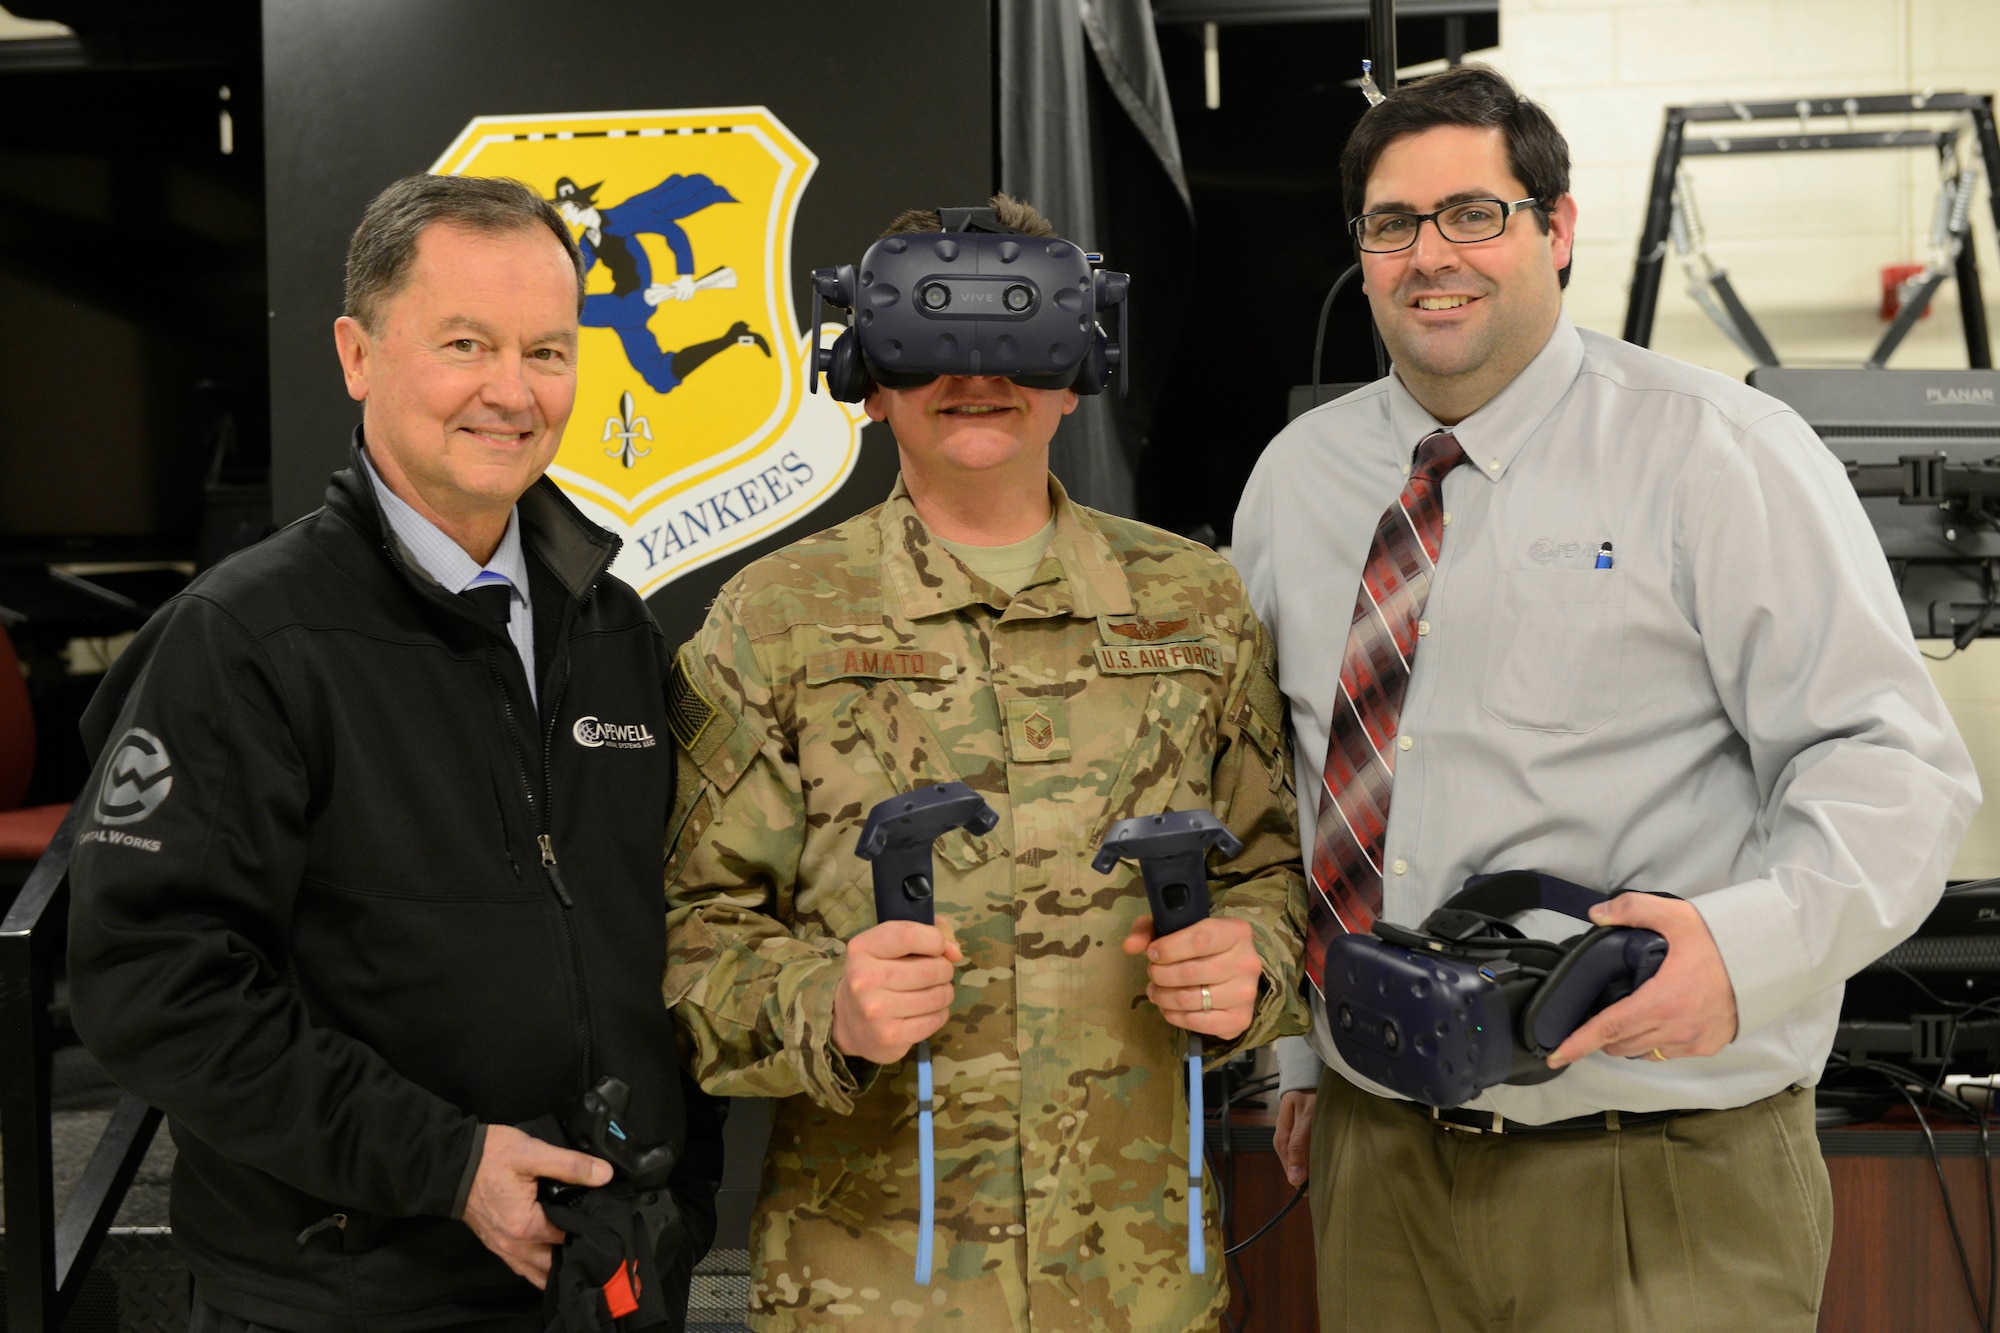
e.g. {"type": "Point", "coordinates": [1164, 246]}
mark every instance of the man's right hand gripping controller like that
{"type": "Point", "coordinates": [606, 1277]}
{"type": "Point", "coordinates": [895, 985]}
{"type": "Point", "coordinates": [502, 1207]}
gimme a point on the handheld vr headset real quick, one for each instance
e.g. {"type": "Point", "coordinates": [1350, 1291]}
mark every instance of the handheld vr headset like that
{"type": "Point", "coordinates": [977, 298]}
{"type": "Point", "coordinates": [1465, 1001]}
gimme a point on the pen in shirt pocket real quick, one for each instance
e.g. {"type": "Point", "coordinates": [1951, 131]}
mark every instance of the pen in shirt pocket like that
{"type": "Point", "coordinates": [1604, 556]}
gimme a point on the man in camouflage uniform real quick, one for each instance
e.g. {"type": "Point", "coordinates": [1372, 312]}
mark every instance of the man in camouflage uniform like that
{"type": "Point", "coordinates": [1117, 670]}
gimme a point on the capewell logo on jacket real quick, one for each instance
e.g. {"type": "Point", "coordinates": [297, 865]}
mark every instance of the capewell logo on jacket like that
{"type": "Point", "coordinates": [594, 733]}
{"type": "Point", "coordinates": [693, 433]}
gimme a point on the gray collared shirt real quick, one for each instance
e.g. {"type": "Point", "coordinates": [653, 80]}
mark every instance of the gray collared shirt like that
{"type": "Point", "coordinates": [447, 563]}
{"type": "Point", "coordinates": [1734, 712]}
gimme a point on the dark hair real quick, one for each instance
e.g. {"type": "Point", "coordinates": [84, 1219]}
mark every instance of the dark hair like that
{"type": "Point", "coordinates": [384, 245]}
{"type": "Point", "coordinates": [1021, 216]}
{"type": "Point", "coordinates": [1473, 95]}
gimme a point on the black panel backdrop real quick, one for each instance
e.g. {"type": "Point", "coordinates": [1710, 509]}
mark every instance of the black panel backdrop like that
{"type": "Point", "coordinates": [895, 99]}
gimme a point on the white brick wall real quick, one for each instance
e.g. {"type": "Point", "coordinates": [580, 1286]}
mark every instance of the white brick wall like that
{"type": "Point", "coordinates": [1803, 238]}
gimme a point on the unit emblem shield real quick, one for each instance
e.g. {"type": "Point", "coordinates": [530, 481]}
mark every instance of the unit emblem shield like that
{"type": "Point", "coordinates": [692, 434]}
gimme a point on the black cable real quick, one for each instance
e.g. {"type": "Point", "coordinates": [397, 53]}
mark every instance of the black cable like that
{"type": "Point", "coordinates": [1992, 1236]}
{"type": "Point", "coordinates": [1254, 1088]}
{"type": "Point", "coordinates": [1276, 1218]}
{"type": "Point", "coordinates": [1968, 632]}
{"type": "Point", "coordinates": [1895, 1078]}
{"type": "Point", "coordinates": [1223, 1209]}
{"type": "Point", "coordinates": [1226, 1186]}
{"type": "Point", "coordinates": [1960, 1012]}
{"type": "Point", "coordinates": [1226, 1183]}
{"type": "Point", "coordinates": [1985, 1143]}
{"type": "Point", "coordinates": [1235, 1266]}
{"type": "Point", "coordinates": [1319, 337]}
{"type": "Point", "coordinates": [1969, 1007]}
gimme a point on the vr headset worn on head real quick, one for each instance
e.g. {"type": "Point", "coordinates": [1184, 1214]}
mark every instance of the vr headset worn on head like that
{"type": "Point", "coordinates": [977, 298]}
{"type": "Point", "coordinates": [1465, 1001]}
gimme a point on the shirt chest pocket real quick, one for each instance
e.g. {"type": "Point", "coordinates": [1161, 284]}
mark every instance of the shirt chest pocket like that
{"type": "Point", "coordinates": [1160, 745]}
{"type": "Point", "coordinates": [1555, 649]}
{"type": "Point", "coordinates": [875, 721]}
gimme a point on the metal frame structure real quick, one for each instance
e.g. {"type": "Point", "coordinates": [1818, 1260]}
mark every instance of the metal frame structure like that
{"type": "Point", "coordinates": [1669, 212]}
{"type": "Point", "coordinates": [49, 1256]}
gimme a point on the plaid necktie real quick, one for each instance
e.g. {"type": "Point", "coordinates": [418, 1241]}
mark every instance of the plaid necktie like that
{"type": "Point", "coordinates": [1361, 751]}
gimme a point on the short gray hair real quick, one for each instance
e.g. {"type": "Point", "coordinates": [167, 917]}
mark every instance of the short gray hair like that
{"type": "Point", "coordinates": [384, 246]}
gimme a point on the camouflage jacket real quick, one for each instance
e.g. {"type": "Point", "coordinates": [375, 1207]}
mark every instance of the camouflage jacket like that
{"type": "Point", "coordinates": [1129, 677]}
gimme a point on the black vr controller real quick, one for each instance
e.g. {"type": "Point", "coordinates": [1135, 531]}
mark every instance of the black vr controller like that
{"type": "Point", "coordinates": [1465, 1001]}
{"type": "Point", "coordinates": [897, 841]}
{"type": "Point", "coordinates": [1172, 852]}
{"type": "Point", "coordinates": [594, 1124]}
{"type": "Point", "coordinates": [605, 1275]}
{"type": "Point", "coordinates": [977, 298]}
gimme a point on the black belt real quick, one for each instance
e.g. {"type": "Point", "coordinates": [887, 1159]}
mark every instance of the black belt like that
{"type": "Point", "coordinates": [1492, 1122]}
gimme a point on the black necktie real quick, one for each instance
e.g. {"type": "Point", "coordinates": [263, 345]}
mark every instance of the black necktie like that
{"type": "Point", "coordinates": [495, 601]}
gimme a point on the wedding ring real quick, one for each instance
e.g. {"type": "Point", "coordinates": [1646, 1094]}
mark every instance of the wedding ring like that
{"type": "Point", "coordinates": [1654, 1054]}
{"type": "Point", "coordinates": [1207, 1001]}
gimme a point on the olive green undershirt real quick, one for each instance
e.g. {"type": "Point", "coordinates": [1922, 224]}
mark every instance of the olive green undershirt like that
{"type": "Point", "coordinates": [1007, 568]}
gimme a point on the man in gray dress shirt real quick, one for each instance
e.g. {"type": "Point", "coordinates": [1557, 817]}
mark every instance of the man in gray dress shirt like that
{"type": "Point", "coordinates": [1732, 712]}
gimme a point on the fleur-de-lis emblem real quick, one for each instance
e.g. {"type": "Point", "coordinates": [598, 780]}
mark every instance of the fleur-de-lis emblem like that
{"type": "Point", "coordinates": [625, 428]}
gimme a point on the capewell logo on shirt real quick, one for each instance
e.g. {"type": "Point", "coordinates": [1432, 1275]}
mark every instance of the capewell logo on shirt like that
{"type": "Point", "coordinates": [693, 433]}
{"type": "Point", "coordinates": [593, 734]}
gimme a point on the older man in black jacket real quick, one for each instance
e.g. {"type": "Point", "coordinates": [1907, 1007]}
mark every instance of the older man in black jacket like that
{"type": "Point", "coordinates": [370, 870]}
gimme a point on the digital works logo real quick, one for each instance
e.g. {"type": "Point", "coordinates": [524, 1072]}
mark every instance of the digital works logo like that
{"type": "Point", "coordinates": [593, 734]}
{"type": "Point", "coordinates": [136, 780]}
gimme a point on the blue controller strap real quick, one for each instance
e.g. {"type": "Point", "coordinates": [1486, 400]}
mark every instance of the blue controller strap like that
{"type": "Point", "coordinates": [926, 1166]}
{"type": "Point", "coordinates": [1197, 1255]}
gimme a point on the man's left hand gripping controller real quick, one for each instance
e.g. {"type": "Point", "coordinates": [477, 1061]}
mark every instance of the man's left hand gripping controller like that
{"type": "Point", "coordinates": [1172, 852]}
{"type": "Point", "coordinates": [897, 841]}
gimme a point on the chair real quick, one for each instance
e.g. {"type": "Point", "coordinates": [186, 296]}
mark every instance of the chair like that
{"type": "Point", "coordinates": [24, 831]}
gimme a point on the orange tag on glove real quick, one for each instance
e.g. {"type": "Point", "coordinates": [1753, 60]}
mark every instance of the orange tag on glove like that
{"type": "Point", "coordinates": [621, 1290]}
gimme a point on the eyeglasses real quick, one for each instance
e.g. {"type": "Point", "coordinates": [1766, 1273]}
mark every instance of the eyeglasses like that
{"type": "Point", "coordinates": [1462, 223]}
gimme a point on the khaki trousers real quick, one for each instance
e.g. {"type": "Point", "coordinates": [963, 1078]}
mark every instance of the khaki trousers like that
{"type": "Point", "coordinates": [1714, 1221]}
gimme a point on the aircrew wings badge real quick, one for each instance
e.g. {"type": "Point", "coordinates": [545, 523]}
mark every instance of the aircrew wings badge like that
{"type": "Point", "coordinates": [1147, 631]}
{"type": "Point", "coordinates": [692, 434]}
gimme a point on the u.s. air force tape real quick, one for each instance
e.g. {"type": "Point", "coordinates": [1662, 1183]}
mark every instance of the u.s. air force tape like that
{"type": "Point", "coordinates": [1135, 659]}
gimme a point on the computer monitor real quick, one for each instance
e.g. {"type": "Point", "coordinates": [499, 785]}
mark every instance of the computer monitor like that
{"type": "Point", "coordinates": [1942, 557]}
{"type": "Point", "coordinates": [1932, 1003]}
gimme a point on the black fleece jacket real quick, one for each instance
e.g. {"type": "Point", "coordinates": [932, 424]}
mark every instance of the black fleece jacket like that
{"type": "Point", "coordinates": [343, 896]}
